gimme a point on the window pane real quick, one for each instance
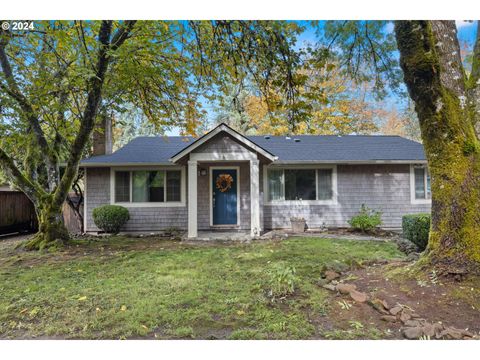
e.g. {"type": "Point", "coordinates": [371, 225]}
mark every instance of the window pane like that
{"type": "Point", "coordinates": [122, 186]}
{"type": "Point", "coordinates": [156, 186]}
{"type": "Point", "coordinates": [173, 185]}
{"type": "Point", "coordinates": [325, 191]}
{"type": "Point", "coordinates": [419, 183]}
{"type": "Point", "coordinates": [139, 187]}
{"type": "Point", "coordinates": [275, 185]}
{"type": "Point", "coordinates": [300, 185]}
{"type": "Point", "coordinates": [148, 186]}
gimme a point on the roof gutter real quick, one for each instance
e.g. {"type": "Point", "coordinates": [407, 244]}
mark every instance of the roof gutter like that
{"type": "Point", "coordinates": [348, 162]}
{"type": "Point", "coordinates": [277, 162]}
{"type": "Point", "coordinates": [104, 164]}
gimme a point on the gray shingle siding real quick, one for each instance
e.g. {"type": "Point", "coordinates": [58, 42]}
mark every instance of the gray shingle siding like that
{"type": "Point", "coordinates": [381, 187]}
{"type": "Point", "coordinates": [221, 144]}
{"type": "Point", "coordinates": [97, 194]}
{"type": "Point", "coordinates": [141, 218]}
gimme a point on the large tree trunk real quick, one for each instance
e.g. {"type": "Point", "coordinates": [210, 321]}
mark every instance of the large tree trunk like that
{"type": "Point", "coordinates": [436, 81]}
{"type": "Point", "coordinates": [51, 228]}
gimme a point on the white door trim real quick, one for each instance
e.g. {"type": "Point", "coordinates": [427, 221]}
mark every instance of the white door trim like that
{"type": "Point", "coordinates": [210, 187]}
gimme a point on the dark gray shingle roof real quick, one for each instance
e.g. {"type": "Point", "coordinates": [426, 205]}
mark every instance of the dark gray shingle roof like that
{"type": "Point", "coordinates": [309, 148]}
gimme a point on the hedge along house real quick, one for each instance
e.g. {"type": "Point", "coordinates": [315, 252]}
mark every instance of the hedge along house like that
{"type": "Point", "coordinates": [230, 182]}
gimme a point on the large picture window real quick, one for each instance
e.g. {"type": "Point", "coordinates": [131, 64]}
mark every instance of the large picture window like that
{"type": "Point", "coordinates": [148, 186]}
{"type": "Point", "coordinates": [300, 185]}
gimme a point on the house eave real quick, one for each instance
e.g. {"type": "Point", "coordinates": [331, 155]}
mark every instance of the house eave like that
{"type": "Point", "coordinates": [133, 164]}
{"type": "Point", "coordinates": [347, 162]}
{"type": "Point", "coordinates": [225, 128]}
{"type": "Point", "coordinates": [275, 162]}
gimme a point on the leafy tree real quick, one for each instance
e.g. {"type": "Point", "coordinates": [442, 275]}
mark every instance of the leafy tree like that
{"type": "Point", "coordinates": [331, 103]}
{"type": "Point", "coordinates": [59, 79]}
{"type": "Point", "coordinates": [446, 95]}
{"type": "Point", "coordinates": [131, 123]}
{"type": "Point", "coordinates": [447, 102]}
{"type": "Point", "coordinates": [403, 122]}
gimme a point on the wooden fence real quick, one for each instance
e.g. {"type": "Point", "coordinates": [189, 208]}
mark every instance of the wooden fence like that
{"type": "Point", "coordinates": [16, 213]}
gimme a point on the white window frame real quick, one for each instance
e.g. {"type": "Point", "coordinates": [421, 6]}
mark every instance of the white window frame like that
{"type": "Point", "coordinates": [332, 201]}
{"type": "Point", "coordinates": [414, 200]}
{"type": "Point", "coordinates": [132, 204]}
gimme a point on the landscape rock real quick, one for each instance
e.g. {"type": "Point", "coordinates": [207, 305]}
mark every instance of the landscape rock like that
{"type": "Point", "coordinates": [331, 275]}
{"type": "Point", "coordinates": [384, 304]}
{"type": "Point", "coordinates": [379, 305]}
{"type": "Point", "coordinates": [455, 334]}
{"type": "Point", "coordinates": [429, 330]}
{"type": "Point", "coordinates": [358, 296]}
{"type": "Point", "coordinates": [345, 288]}
{"type": "Point", "coordinates": [413, 332]}
{"type": "Point", "coordinates": [329, 287]}
{"type": "Point", "coordinates": [413, 323]}
{"type": "Point", "coordinates": [452, 333]}
{"type": "Point", "coordinates": [405, 316]}
{"type": "Point", "coordinates": [438, 328]}
{"type": "Point", "coordinates": [395, 310]}
{"type": "Point", "coordinates": [389, 318]}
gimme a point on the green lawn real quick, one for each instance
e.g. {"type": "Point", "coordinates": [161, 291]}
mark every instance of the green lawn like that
{"type": "Point", "coordinates": [132, 288]}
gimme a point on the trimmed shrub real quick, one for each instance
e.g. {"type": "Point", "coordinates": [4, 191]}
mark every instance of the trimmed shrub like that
{"type": "Point", "coordinates": [416, 228]}
{"type": "Point", "coordinates": [366, 220]}
{"type": "Point", "coordinates": [110, 218]}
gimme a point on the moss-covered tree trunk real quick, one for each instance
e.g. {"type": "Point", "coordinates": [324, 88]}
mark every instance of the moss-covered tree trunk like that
{"type": "Point", "coordinates": [51, 228]}
{"type": "Point", "coordinates": [436, 81]}
{"type": "Point", "coordinates": [49, 195]}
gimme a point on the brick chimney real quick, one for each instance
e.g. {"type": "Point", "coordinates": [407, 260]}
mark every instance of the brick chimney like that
{"type": "Point", "coordinates": [102, 135]}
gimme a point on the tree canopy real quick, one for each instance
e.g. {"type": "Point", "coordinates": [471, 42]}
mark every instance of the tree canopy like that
{"type": "Point", "coordinates": [58, 78]}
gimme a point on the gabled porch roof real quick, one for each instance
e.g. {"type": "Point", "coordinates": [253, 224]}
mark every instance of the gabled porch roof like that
{"type": "Point", "coordinates": [234, 134]}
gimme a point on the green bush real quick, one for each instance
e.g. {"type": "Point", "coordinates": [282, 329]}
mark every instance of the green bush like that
{"type": "Point", "coordinates": [110, 218]}
{"type": "Point", "coordinates": [416, 228]}
{"type": "Point", "coordinates": [366, 220]}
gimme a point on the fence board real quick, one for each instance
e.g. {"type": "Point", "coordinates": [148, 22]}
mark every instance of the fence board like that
{"type": "Point", "coordinates": [16, 212]}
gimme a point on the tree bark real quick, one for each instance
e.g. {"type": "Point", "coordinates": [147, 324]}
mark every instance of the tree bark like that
{"type": "Point", "coordinates": [436, 81]}
{"type": "Point", "coordinates": [48, 201]}
{"type": "Point", "coordinates": [51, 228]}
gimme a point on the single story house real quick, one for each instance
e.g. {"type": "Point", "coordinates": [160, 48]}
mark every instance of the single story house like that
{"type": "Point", "coordinates": [225, 180]}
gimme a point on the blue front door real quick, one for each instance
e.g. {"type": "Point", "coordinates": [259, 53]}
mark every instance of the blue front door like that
{"type": "Point", "coordinates": [224, 197]}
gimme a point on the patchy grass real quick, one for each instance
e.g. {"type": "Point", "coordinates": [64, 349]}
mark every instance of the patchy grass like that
{"type": "Point", "coordinates": [137, 288]}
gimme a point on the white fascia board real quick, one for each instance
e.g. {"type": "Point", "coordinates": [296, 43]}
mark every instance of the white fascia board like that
{"type": "Point", "coordinates": [229, 131]}
{"type": "Point", "coordinates": [347, 162]}
{"type": "Point", "coordinates": [134, 164]}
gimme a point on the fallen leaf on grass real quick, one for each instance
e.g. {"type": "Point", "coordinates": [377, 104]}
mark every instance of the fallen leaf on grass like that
{"type": "Point", "coordinates": [123, 308]}
{"type": "Point", "coordinates": [83, 298]}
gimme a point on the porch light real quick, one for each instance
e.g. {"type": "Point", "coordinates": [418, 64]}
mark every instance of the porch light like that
{"type": "Point", "coordinates": [203, 172]}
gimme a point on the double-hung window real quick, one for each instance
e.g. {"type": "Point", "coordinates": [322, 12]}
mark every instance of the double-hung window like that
{"type": "Point", "coordinates": [420, 184]}
{"type": "Point", "coordinates": [314, 184]}
{"type": "Point", "coordinates": [147, 186]}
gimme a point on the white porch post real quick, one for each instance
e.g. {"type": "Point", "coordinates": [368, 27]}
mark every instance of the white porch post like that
{"type": "Point", "coordinates": [192, 199]}
{"type": "Point", "coordinates": [254, 198]}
